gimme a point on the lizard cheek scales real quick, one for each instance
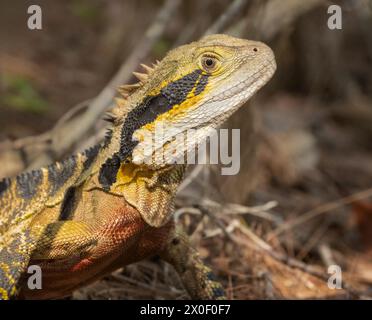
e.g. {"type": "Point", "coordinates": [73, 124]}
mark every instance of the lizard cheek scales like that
{"type": "Point", "coordinates": [173, 94]}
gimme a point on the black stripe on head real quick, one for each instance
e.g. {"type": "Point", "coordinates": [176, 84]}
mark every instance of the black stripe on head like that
{"type": "Point", "coordinates": [202, 83]}
{"type": "Point", "coordinates": [28, 183]}
{"type": "Point", "coordinates": [146, 112]}
{"type": "Point", "coordinates": [57, 177]}
{"type": "Point", "coordinates": [177, 91]}
{"type": "Point", "coordinates": [174, 93]}
{"type": "Point", "coordinates": [138, 117]}
{"type": "Point", "coordinates": [4, 185]}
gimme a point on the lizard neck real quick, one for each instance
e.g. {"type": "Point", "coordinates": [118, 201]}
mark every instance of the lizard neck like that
{"type": "Point", "coordinates": [150, 190]}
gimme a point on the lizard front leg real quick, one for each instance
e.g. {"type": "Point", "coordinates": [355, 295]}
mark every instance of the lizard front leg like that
{"type": "Point", "coordinates": [197, 278]}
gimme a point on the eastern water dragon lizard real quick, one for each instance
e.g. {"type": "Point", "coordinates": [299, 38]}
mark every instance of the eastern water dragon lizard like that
{"type": "Point", "coordinates": [111, 205]}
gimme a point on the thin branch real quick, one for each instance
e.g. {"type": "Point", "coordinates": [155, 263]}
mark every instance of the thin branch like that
{"type": "Point", "coordinates": [279, 256]}
{"type": "Point", "coordinates": [105, 97]}
{"type": "Point", "coordinates": [316, 212]}
{"type": "Point", "coordinates": [326, 255]}
{"type": "Point", "coordinates": [224, 20]}
{"type": "Point", "coordinates": [190, 178]}
{"type": "Point", "coordinates": [259, 211]}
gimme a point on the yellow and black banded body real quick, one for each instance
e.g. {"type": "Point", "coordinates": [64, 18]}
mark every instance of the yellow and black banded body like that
{"type": "Point", "coordinates": [111, 205]}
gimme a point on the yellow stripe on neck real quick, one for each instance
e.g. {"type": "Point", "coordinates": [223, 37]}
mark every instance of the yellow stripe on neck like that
{"type": "Point", "coordinates": [179, 109]}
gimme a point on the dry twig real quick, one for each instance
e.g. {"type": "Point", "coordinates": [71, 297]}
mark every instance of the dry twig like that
{"type": "Point", "coordinates": [231, 12]}
{"type": "Point", "coordinates": [316, 212]}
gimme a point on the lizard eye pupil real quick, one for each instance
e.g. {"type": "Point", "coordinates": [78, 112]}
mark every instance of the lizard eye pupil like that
{"type": "Point", "coordinates": [209, 63]}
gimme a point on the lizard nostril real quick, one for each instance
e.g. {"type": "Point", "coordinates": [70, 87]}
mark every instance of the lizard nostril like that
{"type": "Point", "coordinates": [255, 49]}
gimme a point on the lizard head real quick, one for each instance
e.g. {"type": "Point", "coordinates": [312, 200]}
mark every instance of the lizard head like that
{"type": "Point", "coordinates": [196, 86]}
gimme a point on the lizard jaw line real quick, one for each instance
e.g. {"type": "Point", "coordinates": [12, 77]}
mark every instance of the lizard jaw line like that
{"type": "Point", "coordinates": [255, 82]}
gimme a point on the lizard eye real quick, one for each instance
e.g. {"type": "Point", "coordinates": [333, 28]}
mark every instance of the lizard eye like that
{"type": "Point", "coordinates": [209, 63]}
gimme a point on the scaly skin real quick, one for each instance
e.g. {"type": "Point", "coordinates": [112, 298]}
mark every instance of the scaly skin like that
{"type": "Point", "coordinates": [112, 204]}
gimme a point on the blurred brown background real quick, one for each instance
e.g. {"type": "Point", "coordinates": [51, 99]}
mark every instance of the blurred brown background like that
{"type": "Point", "coordinates": [305, 138]}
